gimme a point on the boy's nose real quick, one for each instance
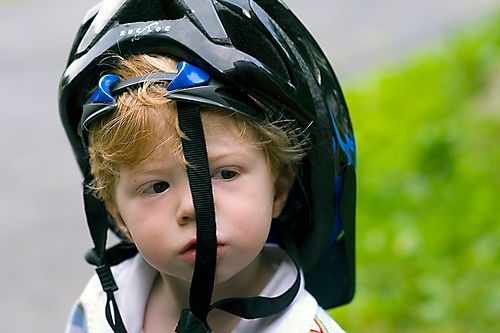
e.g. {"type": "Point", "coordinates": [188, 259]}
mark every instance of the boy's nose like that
{"type": "Point", "coordinates": [185, 211]}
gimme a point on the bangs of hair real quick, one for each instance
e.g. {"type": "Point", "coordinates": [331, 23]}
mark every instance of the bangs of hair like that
{"type": "Point", "coordinates": [143, 124]}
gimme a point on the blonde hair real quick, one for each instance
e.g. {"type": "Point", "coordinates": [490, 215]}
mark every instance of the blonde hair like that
{"type": "Point", "coordinates": [144, 122]}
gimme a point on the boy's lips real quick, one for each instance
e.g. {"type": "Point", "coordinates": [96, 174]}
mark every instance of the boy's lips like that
{"type": "Point", "coordinates": [188, 252]}
{"type": "Point", "coordinates": [189, 246]}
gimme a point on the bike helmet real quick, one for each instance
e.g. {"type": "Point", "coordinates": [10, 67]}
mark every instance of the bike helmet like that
{"type": "Point", "coordinates": [233, 53]}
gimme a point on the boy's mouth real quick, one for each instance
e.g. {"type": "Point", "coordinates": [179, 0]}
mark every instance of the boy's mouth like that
{"type": "Point", "coordinates": [188, 252]}
{"type": "Point", "coordinates": [190, 246]}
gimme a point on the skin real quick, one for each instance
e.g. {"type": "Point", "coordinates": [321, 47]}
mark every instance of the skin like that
{"type": "Point", "coordinates": [153, 204]}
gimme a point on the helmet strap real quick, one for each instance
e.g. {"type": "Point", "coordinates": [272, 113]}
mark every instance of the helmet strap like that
{"type": "Point", "coordinates": [194, 319]}
{"type": "Point", "coordinates": [259, 306]}
{"type": "Point", "coordinates": [96, 217]}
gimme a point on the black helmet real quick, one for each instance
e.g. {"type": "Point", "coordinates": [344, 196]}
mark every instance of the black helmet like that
{"type": "Point", "coordinates": [250, 50]}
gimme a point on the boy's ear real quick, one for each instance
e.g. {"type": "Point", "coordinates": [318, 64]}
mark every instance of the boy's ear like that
{"type": "Point", "coordinates": [117, 217]}
{"type": "Point", "coordinates": [283, 185]}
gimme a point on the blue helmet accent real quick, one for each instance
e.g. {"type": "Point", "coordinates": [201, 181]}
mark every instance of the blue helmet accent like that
{"type": "Point", "coordinates": [188, 76]}
{"type": "Point", "coordinates": [347, 144]}
{"type": "Point", "coordinates": [102, 93]}
{"type": "Point", "coordinates": [339, 222]}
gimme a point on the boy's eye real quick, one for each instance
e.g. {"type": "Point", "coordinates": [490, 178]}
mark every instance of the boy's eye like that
{"type": "Point", "coordinates": [225, 174]}
{"type": "Point", "coordinates": [157, 187]}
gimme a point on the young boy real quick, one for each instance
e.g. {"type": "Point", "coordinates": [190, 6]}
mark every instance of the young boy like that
{"type": "Point", "coordinates": [202, 168]}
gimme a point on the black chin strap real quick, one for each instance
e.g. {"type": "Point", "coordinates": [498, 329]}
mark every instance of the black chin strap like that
{"type": "Point", "coordinates": [96, 220]}
{"type": "Point", "coordinates": [194, 320]}
{"type": "Point", "coordinates": [259, 306]}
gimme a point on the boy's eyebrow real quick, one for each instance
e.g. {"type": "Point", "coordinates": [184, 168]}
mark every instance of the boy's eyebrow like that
{"type": "Point", "coordinates": [224, 154]}
{"type": "Point", "coordinates": [160, 165]}
{"type": "Point", "coordinates": [148, 168]}
{"type": "Point", "coordinates": [139, 172]}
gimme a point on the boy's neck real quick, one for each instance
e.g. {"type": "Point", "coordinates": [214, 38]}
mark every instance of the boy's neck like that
{"type": "Point", "coordinates": [169, 296]}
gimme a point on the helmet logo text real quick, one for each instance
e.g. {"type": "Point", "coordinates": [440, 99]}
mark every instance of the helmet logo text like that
{"type": "Point", "coordinates": [154, 27]}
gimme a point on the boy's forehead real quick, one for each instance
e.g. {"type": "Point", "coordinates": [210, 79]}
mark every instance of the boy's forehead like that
{"type": "Point", "coordinates": [219, 126]}
{"type": "Point", "coordinates": [222, 136]}
{"type": "Point", "coordinates": [158, 159]}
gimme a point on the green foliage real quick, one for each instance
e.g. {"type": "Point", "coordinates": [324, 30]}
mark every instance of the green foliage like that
{"type": "Point", "coordinates": [428, 230]}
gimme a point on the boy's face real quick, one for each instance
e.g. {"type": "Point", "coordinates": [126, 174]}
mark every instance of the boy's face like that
{"type": "Point", "coordinates": [153, 203]}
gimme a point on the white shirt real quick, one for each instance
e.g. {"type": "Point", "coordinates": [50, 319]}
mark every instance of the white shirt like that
{"type": "Point", "coordinates": [135, 279]}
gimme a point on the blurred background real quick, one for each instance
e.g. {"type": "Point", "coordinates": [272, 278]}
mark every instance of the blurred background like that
{"type": "Point", "coordinates": [422, 80]}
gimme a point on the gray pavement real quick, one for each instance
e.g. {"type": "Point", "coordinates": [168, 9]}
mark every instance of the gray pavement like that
{"type": "Point", "coordinates": [43, 234]}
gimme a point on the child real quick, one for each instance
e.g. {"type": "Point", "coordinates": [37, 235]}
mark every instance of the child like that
{"type": "Point", "coordinates": [207, 132]}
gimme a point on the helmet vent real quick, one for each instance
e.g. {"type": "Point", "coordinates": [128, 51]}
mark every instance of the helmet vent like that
{"type": "Point", "coordinates": [248, 38]}
{"type": "Point", "coordinates": [136, 11]}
